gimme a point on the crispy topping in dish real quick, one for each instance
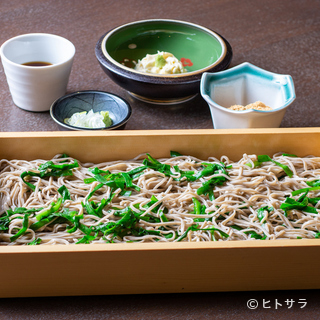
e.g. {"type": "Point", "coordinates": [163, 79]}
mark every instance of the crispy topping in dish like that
{"type": "Point", "coordinates": [258, 105]}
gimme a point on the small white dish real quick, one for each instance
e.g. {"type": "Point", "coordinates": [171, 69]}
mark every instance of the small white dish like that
{"type": "Point", "coordinates": [34, 88]}
{"type": "Point", "coordinates": [242, 85]}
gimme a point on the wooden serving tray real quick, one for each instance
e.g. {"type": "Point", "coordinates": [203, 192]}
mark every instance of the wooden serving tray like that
{"type": "Point", "coordinates": [133, 268]}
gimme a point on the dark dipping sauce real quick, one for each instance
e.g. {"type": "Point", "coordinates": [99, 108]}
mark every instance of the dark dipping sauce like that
{"type": "Point", "coordinates": [37, 64]}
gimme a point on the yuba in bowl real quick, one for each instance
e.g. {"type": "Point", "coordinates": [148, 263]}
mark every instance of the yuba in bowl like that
{"type": "Point", "coordinates": [199, 48]}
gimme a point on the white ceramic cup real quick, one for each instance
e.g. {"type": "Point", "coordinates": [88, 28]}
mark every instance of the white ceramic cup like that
{"type": "Point", "coordinates": [36, 88]}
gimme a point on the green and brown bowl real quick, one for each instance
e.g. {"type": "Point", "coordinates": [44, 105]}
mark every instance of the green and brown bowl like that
{"type": "Point", "coordinates": [198, 48]}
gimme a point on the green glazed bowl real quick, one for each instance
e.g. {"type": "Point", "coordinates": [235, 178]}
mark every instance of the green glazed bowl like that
{"type": "Point", "coordinates": [199, 49]}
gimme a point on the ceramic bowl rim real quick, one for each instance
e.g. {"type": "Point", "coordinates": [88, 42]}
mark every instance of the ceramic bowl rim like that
{"type": "Point", "coordinates": [108, 34]}
{"type": "Point", "coordinates": [40, 35]}
{"type": "Point", "coordinates": [224, 73]}
{"type": "Point", "coordinates": [68, 126]}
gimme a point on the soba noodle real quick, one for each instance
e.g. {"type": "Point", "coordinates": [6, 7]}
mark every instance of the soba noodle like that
{"type": "Point", "coordinates": [162, 206]}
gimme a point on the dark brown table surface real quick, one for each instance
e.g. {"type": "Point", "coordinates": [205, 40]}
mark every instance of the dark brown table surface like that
{"type": "Point", "coordinates": [281, 36]}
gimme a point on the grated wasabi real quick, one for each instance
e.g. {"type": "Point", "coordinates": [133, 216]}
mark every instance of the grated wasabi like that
{"type": "Point", "coordinates": [91, 119]}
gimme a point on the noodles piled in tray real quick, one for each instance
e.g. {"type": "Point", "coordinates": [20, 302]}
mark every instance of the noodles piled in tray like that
{"type": "Point", "coordinates": [181, 198]}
